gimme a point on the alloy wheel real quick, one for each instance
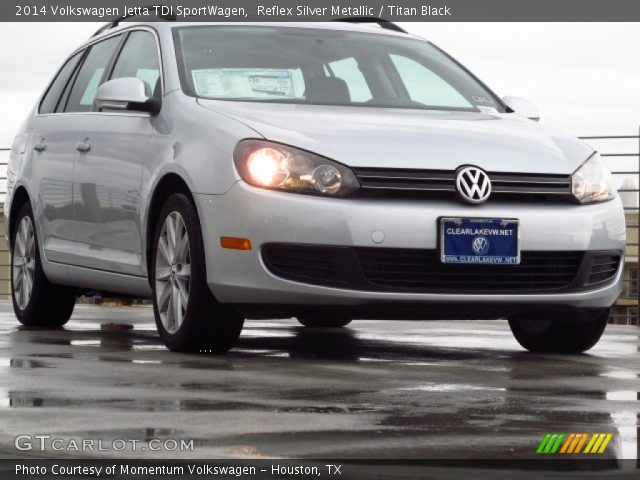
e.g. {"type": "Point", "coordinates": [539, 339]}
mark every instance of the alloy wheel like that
{"type": "Point", "coordinates": [24, 262]}
{"type": "Point", "coordinates": [173, 272]}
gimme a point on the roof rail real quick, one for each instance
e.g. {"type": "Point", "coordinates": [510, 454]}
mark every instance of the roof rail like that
{"type": "Point", "coordinates": [380, 21]}
{"type": "Point", "coordinates": [116, 22]}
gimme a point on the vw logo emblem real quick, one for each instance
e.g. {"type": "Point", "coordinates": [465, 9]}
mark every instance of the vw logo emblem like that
{"type": "Point", "coordinates": [473, 184]}
{"type": "Point", "coordinates": [480, 245]}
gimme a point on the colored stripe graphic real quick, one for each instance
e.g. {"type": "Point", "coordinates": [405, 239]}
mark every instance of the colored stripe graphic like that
{"type": "Point", "coordinates": [594, 437]}
{"type": "Point", "coordinates": [584, 439]}
{"type": "Point", "coordinates": [596, 446]}
{"type": "Point", "coordinates": [572, 443]}
{"type": "Point", "coordinates": [567, 442]}
{"type": "Point", "coordinates": [555, 447]}
{"type": "Point", "coordinates": [543, 443]}
{"type": "Point", "coordinates": [601, 443]}
{"type": "Point", "coordinates": [605, 442]}
{"type": "Point", "coordinates": [550, 443]}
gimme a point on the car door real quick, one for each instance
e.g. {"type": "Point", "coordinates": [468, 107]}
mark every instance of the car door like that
{"type": "Point", "coordinates": [111, 153]}
{"type": "Point", "coordinates": [53, 161]}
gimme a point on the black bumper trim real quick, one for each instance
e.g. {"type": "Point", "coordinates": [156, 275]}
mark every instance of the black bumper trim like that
{"type": "Point", "coordinates": [374, 269]}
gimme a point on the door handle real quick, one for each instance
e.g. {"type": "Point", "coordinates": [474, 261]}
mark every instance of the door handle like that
{"type": "Point", "coordinates": [83, 146]}
{"type": "Point", "coordinates": [40, 146]}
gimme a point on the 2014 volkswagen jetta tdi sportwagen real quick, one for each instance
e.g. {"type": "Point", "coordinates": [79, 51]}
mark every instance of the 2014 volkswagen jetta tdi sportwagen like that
{"type": "Point", "coordinates": [319, 171]}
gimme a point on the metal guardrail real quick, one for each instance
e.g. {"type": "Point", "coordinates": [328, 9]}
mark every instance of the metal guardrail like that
{"type": "Point", "coordinates": [4, 158]}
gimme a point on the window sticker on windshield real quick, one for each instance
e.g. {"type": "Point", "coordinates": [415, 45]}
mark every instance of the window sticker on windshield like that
{"type": "Point", "coordinates": [243, 83]}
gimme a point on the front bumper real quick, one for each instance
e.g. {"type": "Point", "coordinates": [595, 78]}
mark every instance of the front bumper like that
{"type": "Point", "coordinates": [241, 277]}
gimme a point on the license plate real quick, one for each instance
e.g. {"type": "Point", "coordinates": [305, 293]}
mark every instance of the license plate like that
{"type": "Point", "coordinates": [493, 241]}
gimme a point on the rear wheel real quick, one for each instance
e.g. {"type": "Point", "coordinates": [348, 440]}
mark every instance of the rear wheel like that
{"type": "Point", "coordinates": [188, 316]}
{"type": "Point", "coordinates": [36, 301]}
{"type": "Point", "coordinates": [324, 320]}
{"type": "Point", "coordinates": [539, 333]}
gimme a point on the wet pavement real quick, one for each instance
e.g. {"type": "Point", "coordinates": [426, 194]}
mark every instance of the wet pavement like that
{"type": "Point", "coordinates": [377, 389]}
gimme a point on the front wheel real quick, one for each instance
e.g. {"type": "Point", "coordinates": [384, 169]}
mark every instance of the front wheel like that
{"type": "Point", "coordinates": [188, 316]}
{"type": "Point", "coordinates": [36, 301]}
{"type": "Point", "coordinates": [539, 333]}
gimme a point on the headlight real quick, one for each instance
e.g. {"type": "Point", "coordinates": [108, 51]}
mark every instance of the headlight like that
{"type": "Point", "coordinates": [280, 167]}
{"type": "Point", "coordinates": [592, 182]}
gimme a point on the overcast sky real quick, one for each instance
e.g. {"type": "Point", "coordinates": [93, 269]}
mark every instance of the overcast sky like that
{"type": "Point", "coordinates": [584, 77]}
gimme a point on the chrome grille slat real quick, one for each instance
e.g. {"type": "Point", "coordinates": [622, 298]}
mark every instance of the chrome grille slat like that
{"type": "Point", "coordinates": [416, 188]}
{"type": "Point", "coordinates": [498, 189]}
{"type": "Point", "coordinates": [515, 186]}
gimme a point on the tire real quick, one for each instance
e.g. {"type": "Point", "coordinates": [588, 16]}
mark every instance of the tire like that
{"type": "Point", "coordinates": [543, 335]}
{"type": "Point", "coordinates": [188, 317]}
{"type": "Point", "coordinates": [36, 301]}
{"type": "Point", "coordinates": [324, 321]}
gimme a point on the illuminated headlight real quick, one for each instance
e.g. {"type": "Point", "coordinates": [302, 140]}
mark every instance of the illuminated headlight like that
{"type": "Point", "coordinates": [280, 167]}
{"type": "Point", "coordinates": [592, 182]}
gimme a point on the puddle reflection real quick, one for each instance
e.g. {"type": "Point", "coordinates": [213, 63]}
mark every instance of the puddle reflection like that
{"type": "Point", "coordinates": [23, 363]}
{"type": "Point", "coordinates": [403, 384]}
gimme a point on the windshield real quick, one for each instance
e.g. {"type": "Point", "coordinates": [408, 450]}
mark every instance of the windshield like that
{"type": "Point", "coordinates": [323, 67]}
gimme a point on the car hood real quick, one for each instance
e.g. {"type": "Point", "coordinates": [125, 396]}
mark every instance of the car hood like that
{"type": "Point", "coordinates": [406, 138]}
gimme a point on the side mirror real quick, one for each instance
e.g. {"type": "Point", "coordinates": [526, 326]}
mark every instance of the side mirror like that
{"type": "Point", "coordinates": [128, 93]}
{"type": "Point", "coordinates": [523, 107]}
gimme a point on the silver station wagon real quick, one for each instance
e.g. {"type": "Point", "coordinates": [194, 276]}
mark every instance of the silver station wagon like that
{"type": "Point", "coordinates": [322, 171]}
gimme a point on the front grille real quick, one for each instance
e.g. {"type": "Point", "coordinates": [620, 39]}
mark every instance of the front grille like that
{"type": "Point", "coordinates": [420, 270]}
{"type": "Point", "coordinates": [439, 184]}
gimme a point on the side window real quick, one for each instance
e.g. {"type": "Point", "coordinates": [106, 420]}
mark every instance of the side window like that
{"type": "Point", "coordinates": [50, 100]}
{"type": "Point", "coordinates": [139, 58]}
{"type": "Point", "coordinates": [90, 75]}
{"type": "Point", "coordinates": [347, 69]}
{"type": "Point", "coordinates": [426, 87]}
